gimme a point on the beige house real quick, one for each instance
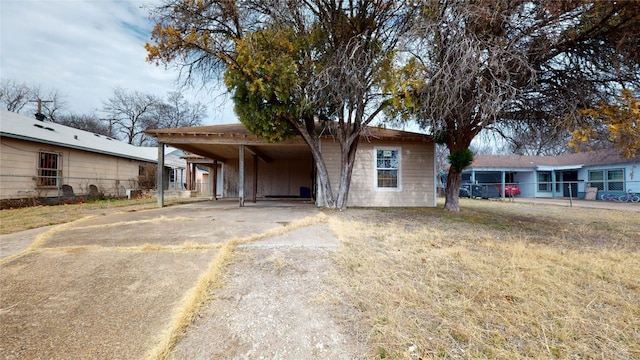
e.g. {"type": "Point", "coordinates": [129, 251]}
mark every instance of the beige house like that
{"type": "Point", "coordinates": [392, 168]}
{"type": "Point", "coordinates": [40, 159]}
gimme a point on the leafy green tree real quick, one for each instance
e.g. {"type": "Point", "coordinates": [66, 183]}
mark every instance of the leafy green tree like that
{"type": "Point", "coordinates": [291, 65]}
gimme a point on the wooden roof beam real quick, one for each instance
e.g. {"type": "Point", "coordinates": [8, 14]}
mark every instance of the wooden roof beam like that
{"type": "Point", "coordinates": [258, 153]}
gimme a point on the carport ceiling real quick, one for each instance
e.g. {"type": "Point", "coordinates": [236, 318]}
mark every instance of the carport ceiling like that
{"type": "Point", "coordinates": [221, 142]}
{"type": "Point", "coordinates": [225, 152]}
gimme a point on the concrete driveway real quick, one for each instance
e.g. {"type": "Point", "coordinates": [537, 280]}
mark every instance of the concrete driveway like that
{"type": "Point", "coordinates": [106, 287]}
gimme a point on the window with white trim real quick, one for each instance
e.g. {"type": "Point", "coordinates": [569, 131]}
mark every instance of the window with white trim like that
{"type": "Point", "coordinates": [387, 168]}
{"type": "Point", "coordinates": [607, 180]}
{"type": "Point", "coordinates": [48, 169]}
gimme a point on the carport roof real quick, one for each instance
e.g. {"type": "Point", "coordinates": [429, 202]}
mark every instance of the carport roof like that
{"type": "Point", "coordinates": [220, 142]}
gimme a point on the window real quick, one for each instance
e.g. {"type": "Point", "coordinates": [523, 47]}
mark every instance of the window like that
{"type": "Point", "coordinates": [544, 181]}
{"type": "Point", "coordinates": [596, 178]}
{"type": "Point", "coordinates": [615, 180]}
{"type": "Point", "coordinates": [48, 169]}
{"type": "Point", "coordinates": [609, 180]}
{"type": "Point", "coordinates": [387, 168]}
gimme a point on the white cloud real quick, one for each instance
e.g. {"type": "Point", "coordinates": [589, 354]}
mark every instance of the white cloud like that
{"type": "Point", "coordinates": [85, 49]}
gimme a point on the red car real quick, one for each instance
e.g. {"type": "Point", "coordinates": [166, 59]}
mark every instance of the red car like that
{"type": "Point", "coordinates": [509, 189]}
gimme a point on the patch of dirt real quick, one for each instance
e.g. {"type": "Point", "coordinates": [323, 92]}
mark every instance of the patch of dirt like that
{"type": "Point", "coordinates": [276, 303]}
{"type": "Point", "coordinates": [75, 305]}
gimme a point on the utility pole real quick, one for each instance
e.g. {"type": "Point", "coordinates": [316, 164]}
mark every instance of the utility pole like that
{"type": "Point", "coordinates": [111, 122]}
{"type": "Point", "coordinates": [39, 114]}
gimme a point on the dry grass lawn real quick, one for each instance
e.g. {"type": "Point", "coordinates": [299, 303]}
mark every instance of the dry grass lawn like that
{"type": "Point", "coordinates": [495, 281]}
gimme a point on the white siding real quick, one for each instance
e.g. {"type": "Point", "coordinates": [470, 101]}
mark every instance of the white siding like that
{"type": "Point", "coordinates": [110, 174]}
{"type": "Point", "coordinates": [417, 168]}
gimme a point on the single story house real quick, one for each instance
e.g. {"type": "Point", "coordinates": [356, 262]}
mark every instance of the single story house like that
{"type": "Point", "coordinates": [181, 174]}
{"type": "Point", "coordinates": [392, 168]}
{"type": "Point", "coordinates": [40, 159]}
{"type": "Point", "coordinates": [604, 171]}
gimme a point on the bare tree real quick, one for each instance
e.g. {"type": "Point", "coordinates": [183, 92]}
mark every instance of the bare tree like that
{"type": "Point", "coordinates": [86, 122]}
{"type": "Point", "coordinates": [176, 111]}
{"type": "Point", "coordinates": [17, 97]}
{"type": "Point", "coordinates": [52, 102]}
{"type": "Point", "coordinates": [14, 96]}
{"type": "Point", "coordinates": [514, 66]}
{"type": "Point", "coordinates": [470, 73]}
{"type": "Point", "coordinates": [131, 113]}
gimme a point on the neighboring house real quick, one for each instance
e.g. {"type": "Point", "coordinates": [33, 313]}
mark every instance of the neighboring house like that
{"type": "Point", "coordinates": [559, 176]}
{"type": "Point", "coordinates": [179, 173]}
{"type": "Point", "coordinates": [45, 159]}
{"type": "Point", "coordinates": [392, 168]}
{"type": "Point", "coordinates": [199, 175]}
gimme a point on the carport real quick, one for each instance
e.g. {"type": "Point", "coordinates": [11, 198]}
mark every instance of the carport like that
{"type": "Point", "coordinates": [253, 166]}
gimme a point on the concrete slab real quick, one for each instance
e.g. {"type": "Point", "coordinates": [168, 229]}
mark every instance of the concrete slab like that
{"type": "Point", "coordinates": [271, 306]}
{"type": "Point", "coordinates": [92, 304]}
{"type": "Point", "coordinates": [90, 290]}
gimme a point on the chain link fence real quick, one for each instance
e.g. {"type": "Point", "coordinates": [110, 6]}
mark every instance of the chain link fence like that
{"type": "Point", "coordinates": [24, 190]}
{"type": "Point", "coordinates": [626, 191]}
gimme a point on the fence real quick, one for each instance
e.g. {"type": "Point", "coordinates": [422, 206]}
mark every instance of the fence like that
{"type": "Point", "coordinates": [558, 189]}
{"type": "Point", "coordinates": [25, 189]}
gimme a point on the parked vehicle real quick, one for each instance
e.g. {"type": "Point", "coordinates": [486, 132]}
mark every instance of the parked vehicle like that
{"type": "Point", "coordinates": [487, 191]}
{"type": "Point", "coordinates": [509, 189]}
{"type": "Point", "coordinates": [469, 190]}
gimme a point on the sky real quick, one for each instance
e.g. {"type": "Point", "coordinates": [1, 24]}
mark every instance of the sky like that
{"type": "Point", "coordinates": [84, 49]}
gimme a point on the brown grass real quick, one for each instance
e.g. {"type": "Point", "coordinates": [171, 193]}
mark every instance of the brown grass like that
{"type": "Point", "coordinates": [14, 220]}
{"type": "Point", "coordinates": [495, 281]}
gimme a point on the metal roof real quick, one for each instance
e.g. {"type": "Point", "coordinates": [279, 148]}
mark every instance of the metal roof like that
{"type": "Point", "coordinates": [16, 126]}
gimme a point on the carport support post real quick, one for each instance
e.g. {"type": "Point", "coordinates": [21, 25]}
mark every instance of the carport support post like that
{"type": "Point", "coordinates": [210, 182]}
{"type": "Point", "coordinates": [241, 175]}
{"type": "Point", "coordinates": [215, 179]}
{"type": "Point", "coordinates": [255, 177]}
{"type": "Point", "coordinates": [503, 185]}
{"type": "Point", "coordinates": [160, 175]}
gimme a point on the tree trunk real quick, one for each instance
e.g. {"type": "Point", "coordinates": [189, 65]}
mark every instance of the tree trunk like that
{"type": "Point", "coordinates": [454, 178]}
{"type": "Point", "coordinates": [326, 198]}
{"type": "Point", "coordinates": [452, 191]}
{"type": "Point", "coordinates": [326, 194]}
{"type": "Point", "coordinates": [348, 158]}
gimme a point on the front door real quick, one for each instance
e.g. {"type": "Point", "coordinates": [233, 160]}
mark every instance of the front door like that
{"type": "Point", "coordinates": [570, 181]}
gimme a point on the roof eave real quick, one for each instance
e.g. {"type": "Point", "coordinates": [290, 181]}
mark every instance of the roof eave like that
{"type": "Point", "coordinates": [83, 148]}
